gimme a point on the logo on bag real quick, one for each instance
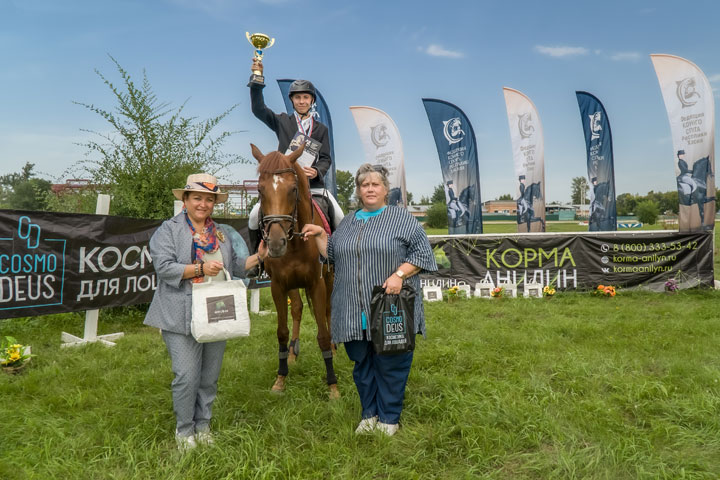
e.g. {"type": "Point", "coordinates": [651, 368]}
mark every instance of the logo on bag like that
{"type": "Point", "coordinates": [379, 135]}
{"type": "Point", "coordinates": [220, 308]}
{"type": "Point", "coordinates": [525, 126]}
{"type": "Point", "coordinates": [686, 92]}
{"type": "Point", "coordinates": [394, 323]}
{"type": "Point", "coordinates": [452, 129]}
{"type": "Point", "coordinates": [595, 127]}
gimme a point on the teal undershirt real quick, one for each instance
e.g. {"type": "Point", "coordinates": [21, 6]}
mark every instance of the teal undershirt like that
{"type": "Point", "coordinates": [364, 216]}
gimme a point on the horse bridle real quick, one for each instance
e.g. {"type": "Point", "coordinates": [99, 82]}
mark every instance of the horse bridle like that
{"type": "Point", "coordinates": [266, 221]}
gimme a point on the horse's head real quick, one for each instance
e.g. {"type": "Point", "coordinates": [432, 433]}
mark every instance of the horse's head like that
{"type": "Point", "coordinates": [278, 188]}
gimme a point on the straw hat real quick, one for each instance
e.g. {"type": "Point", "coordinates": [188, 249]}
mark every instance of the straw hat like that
{"type": "Point", "coordinates": [201, 182]}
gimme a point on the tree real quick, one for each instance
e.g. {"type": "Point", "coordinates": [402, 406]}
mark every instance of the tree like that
{"type": "Point", "coordinates": [23, 190]}
{"type": "Point", "coordinates": [647, 212]}
{"type": "Point", "coordinates": [625, 204]}
{"type": "Point", "coordinates": [579, 190]}
{"type": "Point", "coordinates": [345, 189]}
{"type": "Point", "coordinates": [438, 195]}
{"type": "Point", "coordinates": [152, 148]}
{"type": "Point", "coordinates": [436, 215]}
{"type": "Point", "coordinates": [505, 196]}
{"type": "Point", "coordinates": [409, 198]}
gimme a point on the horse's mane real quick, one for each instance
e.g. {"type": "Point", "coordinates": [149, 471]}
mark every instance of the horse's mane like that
{"type": "Point", "coordinates": [273, 162]}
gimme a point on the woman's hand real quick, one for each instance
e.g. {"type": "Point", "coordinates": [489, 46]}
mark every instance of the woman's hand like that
{"type": "Point", "coordinates": [310, 230]}
{"type": "Point", "coordinates": [393, 284]}
{"type": "Point", "coordinates": [310, 172]}
{"type": "Point", "coordinates": [212, 268]}
{"type": "Point", "coordinates": [257, 65]}
{"type": "Point", "coordinates": [262, 250]}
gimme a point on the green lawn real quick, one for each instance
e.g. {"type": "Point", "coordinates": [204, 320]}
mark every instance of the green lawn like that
{"type": "Point", "coordinates": [569, 387]}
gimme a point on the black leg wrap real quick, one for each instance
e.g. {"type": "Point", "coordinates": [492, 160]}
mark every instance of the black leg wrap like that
{"type": "Point", "coordinates": [283, 356]}
{"type": "Point", "coordinates": [331, 378]}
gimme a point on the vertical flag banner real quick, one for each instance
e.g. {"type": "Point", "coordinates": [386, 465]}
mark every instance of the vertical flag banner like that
{"type": "Point", "coordinates": [383, 146]}
{"type": "Point", "coordinates": [457, 150]}
{"type": "Point", "coordinates": [600, 164]}
{"type": "Point", "coordinates": [526, 134]}
{"type": "Point", "coordinates": [321, 112]}
{"type": "Point", "coordinates": [690, 107]}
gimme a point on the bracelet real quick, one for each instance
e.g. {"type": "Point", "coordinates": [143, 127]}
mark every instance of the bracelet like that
{"type": "Point", "coordinates": [202, 269]}
{"type": "Point", "coordinates": [197, 269]}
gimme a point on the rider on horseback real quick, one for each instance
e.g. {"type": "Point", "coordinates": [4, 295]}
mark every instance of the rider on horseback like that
{"type": "Point", "coordinates": [286, 127]}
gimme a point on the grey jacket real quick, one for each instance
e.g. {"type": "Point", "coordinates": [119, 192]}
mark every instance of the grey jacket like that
{"type": "Point", "coordinates": [171, 251]}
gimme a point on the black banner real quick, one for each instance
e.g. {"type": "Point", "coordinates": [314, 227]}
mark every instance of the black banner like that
{"type": "Point", "coordinates": [575, 260]}
{"type": "Point", "coordinates": [61, 262]}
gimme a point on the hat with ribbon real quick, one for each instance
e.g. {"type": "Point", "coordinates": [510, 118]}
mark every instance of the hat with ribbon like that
{"type": "Point", "coordinates": [201, 182]}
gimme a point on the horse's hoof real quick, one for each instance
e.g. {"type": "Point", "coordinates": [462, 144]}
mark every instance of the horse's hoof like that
{"type": "Point", "coordinates": [279, 385]}
{"type": "Point", "coordinates": [292, 358]}
{"type": "Point", "coordinates": [333, 392]}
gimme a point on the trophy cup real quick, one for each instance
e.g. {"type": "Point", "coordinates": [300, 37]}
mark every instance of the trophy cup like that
{"type": "Point", "coordinates": [259, 41]}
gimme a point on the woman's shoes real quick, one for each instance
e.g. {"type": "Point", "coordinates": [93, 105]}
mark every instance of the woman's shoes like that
{"type": "Point", "coordinates": [204, 438]}
{"type": "Point", "coordinates": [185, 443]}
{"type": "Point", "coordinates": [367, 425]}
{"type": "Point", "coordinates": [388, 429]}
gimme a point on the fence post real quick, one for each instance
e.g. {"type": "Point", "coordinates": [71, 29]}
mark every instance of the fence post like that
{"type": "Point", "coordinates": [91, 316]}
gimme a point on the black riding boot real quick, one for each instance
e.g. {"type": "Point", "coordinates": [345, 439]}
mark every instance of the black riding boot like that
{"type": "Point", "coordinates": [255, 238]}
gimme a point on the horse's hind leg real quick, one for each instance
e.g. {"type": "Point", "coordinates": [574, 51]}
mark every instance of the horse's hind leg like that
{"type": "Point", "coordinates": [296, 309]}
{"type": "Point", "coordinates": [280, 299]}
{"type": "Point", "coordinates": [319, 297]}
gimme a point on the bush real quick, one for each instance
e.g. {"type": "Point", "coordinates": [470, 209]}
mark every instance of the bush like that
{"type": "Point", "coordinates": [437, 216]}
{"type": "Point", "coordinates": [647, 212]}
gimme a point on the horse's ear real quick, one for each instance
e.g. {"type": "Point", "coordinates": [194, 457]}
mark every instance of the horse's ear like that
{"type": "Point", "coordinates": [257, 153]}
{"type": "Point", "coordinates": [296, 154]}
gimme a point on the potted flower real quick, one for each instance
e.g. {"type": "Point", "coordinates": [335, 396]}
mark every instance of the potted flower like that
{"type": "Point", "coordinates": [497, 292]}
{"type": "Point", "coordinates": [604, 291]}
{"type": "Point", "coordinates": [13, 356]}
{"type": "Point", "coordinates": [672, 286]}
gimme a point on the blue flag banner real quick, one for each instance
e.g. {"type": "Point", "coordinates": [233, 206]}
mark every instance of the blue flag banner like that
{"type": "Point", "coordinates": [321, 113]}
{"type": "Point", "coordinates": [457, 150]}
{"type": "Point", "coordinates": [601, 172]}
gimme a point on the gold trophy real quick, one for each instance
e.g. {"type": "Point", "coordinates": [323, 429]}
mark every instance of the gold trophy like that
{"type": "Point", "coordinates": [259, 41]}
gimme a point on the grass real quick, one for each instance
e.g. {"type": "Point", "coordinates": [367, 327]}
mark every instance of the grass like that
{"type": "Point", "coordinates": [570, 387]}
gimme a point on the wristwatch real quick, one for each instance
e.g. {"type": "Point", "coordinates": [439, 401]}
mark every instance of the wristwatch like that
{"type": "Point", "coordinates": [400, 273]}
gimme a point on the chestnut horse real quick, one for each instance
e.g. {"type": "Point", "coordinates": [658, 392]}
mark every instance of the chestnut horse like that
{"type": "Point", "coordinates": [293, 263]}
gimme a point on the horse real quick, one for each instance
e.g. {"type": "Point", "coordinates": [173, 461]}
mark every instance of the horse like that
{"type": "Point", "coordinates": [286, 206]}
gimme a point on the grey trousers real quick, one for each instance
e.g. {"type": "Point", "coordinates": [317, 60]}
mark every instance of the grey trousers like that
{"type": "Point", "coordinates": [196, 367]}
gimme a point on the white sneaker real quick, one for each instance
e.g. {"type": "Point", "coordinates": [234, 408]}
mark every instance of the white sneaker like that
{"type": "Point", "coordinates": [388, 429]}
{"type": "Point", "coordinates": [204, 438]}
{"type": "Point", "coordinates": [366, 425]}
{"type": "Point", "coordinates": [185, 443]}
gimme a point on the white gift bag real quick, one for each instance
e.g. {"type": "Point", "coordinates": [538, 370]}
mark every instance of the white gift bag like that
{"type": "Point", "coordinates": [219, 310]}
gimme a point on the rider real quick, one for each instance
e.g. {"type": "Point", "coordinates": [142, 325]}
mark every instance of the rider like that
{"type": "Point", "coordinates": [303, 96]}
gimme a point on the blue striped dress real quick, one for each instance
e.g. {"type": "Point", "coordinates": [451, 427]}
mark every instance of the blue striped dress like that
{"type": "Point", "coordinates": [365, 254]}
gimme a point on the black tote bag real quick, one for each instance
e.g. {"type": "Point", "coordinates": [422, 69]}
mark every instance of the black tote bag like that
{"type": "Point", "coordinates": [392, 321]}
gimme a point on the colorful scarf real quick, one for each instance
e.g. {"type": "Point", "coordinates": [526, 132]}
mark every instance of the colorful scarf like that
{"type": "Point", "coordinates": [203, 242]}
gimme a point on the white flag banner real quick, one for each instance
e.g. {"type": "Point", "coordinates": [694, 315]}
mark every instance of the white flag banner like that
{"type": "Point", "coordinates": [526, 134]}
{"type": "Point", "coordinates": [690, 107]}
{"type": "Point", "coordinates": [383, 146]}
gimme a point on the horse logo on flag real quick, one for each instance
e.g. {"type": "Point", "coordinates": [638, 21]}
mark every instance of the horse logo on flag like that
{"type": "Point", "coordinates": [452, 129]}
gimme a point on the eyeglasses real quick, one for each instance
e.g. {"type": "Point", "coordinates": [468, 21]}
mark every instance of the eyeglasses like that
{"type": "Point", "coordinates": [380, 169]}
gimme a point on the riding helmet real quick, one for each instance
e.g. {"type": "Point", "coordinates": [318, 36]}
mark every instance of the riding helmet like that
{"type": "Point", "coordinates": [302, 86]}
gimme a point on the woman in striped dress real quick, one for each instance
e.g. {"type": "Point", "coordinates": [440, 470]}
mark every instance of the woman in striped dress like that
{"type": "Point", "coordinates": [377, 245]}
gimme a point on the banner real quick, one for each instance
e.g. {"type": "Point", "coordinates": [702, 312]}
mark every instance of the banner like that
{"type": "Point", "coordinates": [320, 112]}
{"type": "Point", "coordinates": [383, 146]}
{"type": "Point", "coordinates": [600, 163]}
{"type": "Point", "coordinates": [62, 262]}
{"type": "Point", "coordinates": [457, 150]}
{"type": "Point", "coordinates": [526, 134]}
{"type": "Point", "coordinates": [690, 107]}
{"type": "Point", "coordinates": [575, 261]}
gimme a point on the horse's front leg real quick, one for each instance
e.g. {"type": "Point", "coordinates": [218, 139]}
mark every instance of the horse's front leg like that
{"type": "Point", "coordinates": [280, 298]}
{"type": "Point", "coordinates": [319, 295]}
{"type": "Point", "coordinates": [296, 309]}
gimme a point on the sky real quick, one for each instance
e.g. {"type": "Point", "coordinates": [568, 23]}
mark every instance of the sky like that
{"type": "Point", "coordinates": [385, 54]}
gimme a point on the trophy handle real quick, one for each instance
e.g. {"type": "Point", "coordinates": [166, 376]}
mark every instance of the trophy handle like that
{"type": "Point", "coordinates": [270, 43]}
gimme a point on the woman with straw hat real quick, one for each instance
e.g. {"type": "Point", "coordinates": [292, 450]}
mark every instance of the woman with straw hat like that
{"type": "Point", "coordinates": [187, 249]}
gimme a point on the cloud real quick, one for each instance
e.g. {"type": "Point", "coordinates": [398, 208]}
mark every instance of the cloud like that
{"type": "Point", "coordinates": [626, 56]}
{"type": "Point", "coordinates": [435, 50]}
{"type": "Point", "coordinates": [559, 51]}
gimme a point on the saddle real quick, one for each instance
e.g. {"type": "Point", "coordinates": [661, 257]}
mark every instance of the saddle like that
{"type": "Point", "coordinates": [323, 208]}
